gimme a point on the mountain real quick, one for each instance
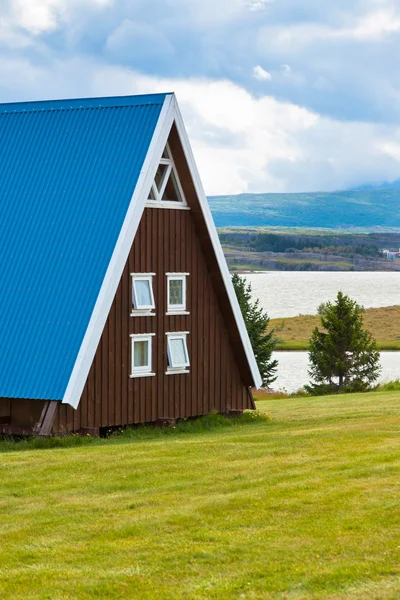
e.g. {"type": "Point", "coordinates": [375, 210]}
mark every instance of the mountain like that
{"type": "Point", "coordinates": [385, 185]}
{"type": "Point", "coordinates": [365, 209]}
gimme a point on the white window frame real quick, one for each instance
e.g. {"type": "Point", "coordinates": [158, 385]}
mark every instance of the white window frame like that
{"type": "Point", "coordinates": [144, 309]}
{"type": "Point", "coordinates": [146, 370]}
{"type": "Point", "coordinates": [177, 369]}
{"type": "Point", "coordinates": [158, 202]}
{"type": "Point", "coordinates": [177, 309]}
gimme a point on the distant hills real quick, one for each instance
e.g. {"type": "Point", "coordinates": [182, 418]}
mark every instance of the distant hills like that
{"type": "Point", "coordinates": [385, 185]}
{"type": "Point", "coordinates": [365, 209]}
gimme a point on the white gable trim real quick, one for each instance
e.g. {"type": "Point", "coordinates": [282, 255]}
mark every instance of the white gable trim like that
{"type": "Point", "coordinates": [122, 248]}
{"type": "Point", "coordinates": [217, 247]}
{"type": "Point", "coordinates": [169, 113]}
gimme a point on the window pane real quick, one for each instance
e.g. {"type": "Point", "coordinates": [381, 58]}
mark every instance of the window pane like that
{"type": "Point", "coordinates": [178, 354]}
{"type": "Point", "coordinates": [160, 175]}
{"type": "Point", "coordinates": [141, 353]}
{"type": "Point", "coordinates": [175, 291]}
{"type": "Point", "coordinates": [143, 294]}
{"type": "Point", "coordinates": [171, 192]}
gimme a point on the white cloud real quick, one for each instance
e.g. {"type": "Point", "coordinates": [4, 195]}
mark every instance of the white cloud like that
{"type": "Point", "coordinates": [257, 4]}
{"type": "Point", "coordinates": [40, 16]}
{"type": "Point", "coordinates": [261, 74]}
{"type": "Point", "coordinates": [375, 25]}
{"type": "Point", "coordinates": [241, 143]}
{"type": "Point", "coordinates": [132, 39]}
{"type": "Point", "coordinates": [11, 37]}
{"type": "Point", "coordinates": [391, 148]}
{"type": "Point", "coordinates": [371, 26]}
{"type": "Point", "coordinates": [194, 13]}
{"type": "Point", "coordinates": [36, 17]}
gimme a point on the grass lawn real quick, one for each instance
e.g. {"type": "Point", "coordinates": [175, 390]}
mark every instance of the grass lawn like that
{"type": "Point", "coordinates": [383, 323]}
{"type": "Point", "coordinates": [304, 505]}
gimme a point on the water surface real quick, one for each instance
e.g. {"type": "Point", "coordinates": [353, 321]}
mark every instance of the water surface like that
{"type": "Point", "coordinates": [288, 294]}
{"type": "Point", "coordinates": [293, 367]}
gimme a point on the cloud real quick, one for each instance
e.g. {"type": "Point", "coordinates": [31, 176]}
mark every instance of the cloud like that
{"type": "Point", "coordinates": [13, 38]}
{"type": "Point", "coordinates": [206, 12]}
{"type": "Point", "coordinates": [241, 143]}
{"type": "Point", "coordinates": [132, 40]}
{"type": "Point", "coordinates": [261, 74]}
{"type": "Point", "coordinates": [375, 25]}
{"type": "Point", "coordinates": [257, 5]}
{"type": "Point", "coordinates": [329, 117]}
{"type": "Point", "coordinates": [40, 16]}
{"type": "Point", "coordinates": [371, 26]}
{"type": "Point", "coordinates": [343, 59]}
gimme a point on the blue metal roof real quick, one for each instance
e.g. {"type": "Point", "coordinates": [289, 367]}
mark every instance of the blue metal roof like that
{"type": "Point", "coordinates": [68, 169]}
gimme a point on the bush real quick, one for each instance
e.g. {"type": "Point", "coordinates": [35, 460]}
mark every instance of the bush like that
{"type": "Point", "coordinates": [389, 386]}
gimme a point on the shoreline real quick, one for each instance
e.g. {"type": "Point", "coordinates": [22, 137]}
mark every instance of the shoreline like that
{"type": "Point", "coordinates": [290, 348]}
{"type": "Point", "coordinates": [294, 333]}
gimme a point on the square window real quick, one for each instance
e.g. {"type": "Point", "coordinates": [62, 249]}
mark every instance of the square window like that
{"type": "Point", "coordinates": [178, 357]}
{"type": "Point", "coordinates": [176, 292]}
{"type": "Point", "coordinates": [142, 292]}
{"type": "Point", "coordinates": [141, 354]}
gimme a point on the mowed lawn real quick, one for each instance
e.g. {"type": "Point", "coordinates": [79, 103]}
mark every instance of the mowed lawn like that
{"type": "Point", "coordinates": [306, 505]}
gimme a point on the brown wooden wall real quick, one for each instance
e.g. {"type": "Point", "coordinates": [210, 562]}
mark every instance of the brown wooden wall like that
{"type": "Point", "coordinates": [166, 241]}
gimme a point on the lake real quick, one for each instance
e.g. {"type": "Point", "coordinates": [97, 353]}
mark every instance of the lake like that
{"type": "Point", "coordinates": [293, 367]}
{"type": "Point", "coordinates": [288, 294]}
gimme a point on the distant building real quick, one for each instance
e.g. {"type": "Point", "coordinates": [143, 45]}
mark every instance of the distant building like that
{"type": "Point", "coordinates": [117, 306]}
{"type": "Point", "coordinates": [390, 254]}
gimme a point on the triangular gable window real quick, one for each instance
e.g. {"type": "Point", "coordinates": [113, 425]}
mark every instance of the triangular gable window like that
{"type": "Point", "coordinates": [166, 189]}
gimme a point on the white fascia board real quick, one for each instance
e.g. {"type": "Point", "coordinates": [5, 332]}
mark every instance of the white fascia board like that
{"type": "Point", "coordinates": [119, 257]}
{"type": "Point", "coordinates": [217, 247]}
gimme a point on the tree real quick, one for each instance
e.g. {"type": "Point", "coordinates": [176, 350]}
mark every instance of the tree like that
{"type": "Point", "coordinates": [257, 321]}
{"type": "Point", "coordinates": [344, 357]}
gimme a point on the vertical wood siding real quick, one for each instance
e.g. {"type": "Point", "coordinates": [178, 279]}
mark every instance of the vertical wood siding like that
{"type": "Point", "coordinates": [166, 241]}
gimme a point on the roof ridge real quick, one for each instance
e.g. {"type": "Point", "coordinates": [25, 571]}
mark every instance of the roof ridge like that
{"type": "Point", "coordinates": [82, 103]}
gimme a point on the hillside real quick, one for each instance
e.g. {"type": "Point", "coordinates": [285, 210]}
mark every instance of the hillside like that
{"type": "Point", "coordinates": [304, 505]}
{"type": "Point", "coordinates": [294, 249]}
{"type": "Point", "coordinates": [365, 209]}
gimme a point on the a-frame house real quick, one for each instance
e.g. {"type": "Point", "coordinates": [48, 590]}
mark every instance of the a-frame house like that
{"type": "Point", "coordinates": [116, 304]}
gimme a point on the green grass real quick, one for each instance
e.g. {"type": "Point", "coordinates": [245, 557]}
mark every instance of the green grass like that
{"type": "Point", "coordinates": [302, 505]}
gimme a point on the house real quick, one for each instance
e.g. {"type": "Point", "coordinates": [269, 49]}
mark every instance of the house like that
{"type": "Point", "coordinates": [116, 302]}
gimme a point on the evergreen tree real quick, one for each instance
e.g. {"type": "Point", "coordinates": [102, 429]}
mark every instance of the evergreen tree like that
{"type": "Point", "coordinates": [344, 357]}
{"type": "Point", "coordinates": [257, 321]}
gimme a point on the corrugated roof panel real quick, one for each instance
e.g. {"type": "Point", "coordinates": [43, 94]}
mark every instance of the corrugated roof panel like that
{"type": "Point", "coordinates": [68, 169]}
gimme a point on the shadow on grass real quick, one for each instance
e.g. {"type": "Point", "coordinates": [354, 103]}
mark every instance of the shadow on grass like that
{"type": "Point", "coordinates": [210, 422]}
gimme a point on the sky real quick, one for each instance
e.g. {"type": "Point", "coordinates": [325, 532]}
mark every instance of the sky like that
{"type": "Point", "coordinates": [276, 95]}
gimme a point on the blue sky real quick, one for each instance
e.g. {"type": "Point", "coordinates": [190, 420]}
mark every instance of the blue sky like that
{"type": "Point", "coordinates": [277, 95]}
